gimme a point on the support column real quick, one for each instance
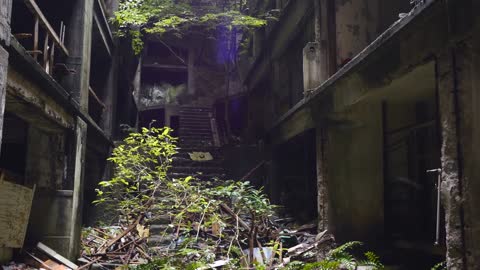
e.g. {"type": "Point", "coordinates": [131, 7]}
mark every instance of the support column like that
{"type": "Point", "coordinates": [325, 36]}
{"type": "Point", "coordinates": [5, 15]}
{"type": "Point", "coordinates": [452, 158]}
{"type": "Point", "coordinates": [79, 43]}
{"type": "Point", "coordinates": [191, 71]}
{"type": "Point", "coordinates": [322, 186]}
{"type": "Point", "coordinates": [78, 187]}
{"type": "Point", "coordinates": [109, 116]}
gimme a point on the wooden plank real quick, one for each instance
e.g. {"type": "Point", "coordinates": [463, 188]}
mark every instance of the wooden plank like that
{"type": "Point", "coordinates": [44, 22]}
{"type": "Point", "coordinates": [53, 254]}
{"type": "Point", "coordinates": [15, 206]}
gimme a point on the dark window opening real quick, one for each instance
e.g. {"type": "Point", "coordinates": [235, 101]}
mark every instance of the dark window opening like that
{"type": "Point", "coordinates": [152, 118]}
{"type": "Point", "coordinates": [13, 157]}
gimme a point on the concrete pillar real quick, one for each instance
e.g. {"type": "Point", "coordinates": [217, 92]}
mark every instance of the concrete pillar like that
{"type": "Point", "coordinates": [79, 43]}
{"type": "Point", "coordinates": [191, 71]}
{"type": "Point", "coordinates": [137, 83]}
{"type": "Point", "coordinates": [459, 104]}
{"type": "Point", "coordinates": [78, 187]}
{"type": "Point", "coordinates": [326, 36]}
{"type": "Point", "coordinates": [312, 75]}
{"type": "Point", "coordinates": [111, 86]}
{"type": "Point", "coordinates": [5, 16]}
{"type": "Point", "coordinates": [322, 186]}
{"type": "Point", "coordinates": [447, 75]}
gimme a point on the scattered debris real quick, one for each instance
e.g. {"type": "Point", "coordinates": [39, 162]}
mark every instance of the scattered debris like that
{"type": "Point", "coordinates": [115, 245]}
{"type": "Point", "coordinates": [41, 257]}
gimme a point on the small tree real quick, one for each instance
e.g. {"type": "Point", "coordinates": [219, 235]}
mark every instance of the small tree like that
{"type": "Point", "coordinates": [141, 164]}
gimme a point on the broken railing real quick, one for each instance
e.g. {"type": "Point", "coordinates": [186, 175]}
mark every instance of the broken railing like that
{"type": "Point", "coordinates": [51, 40]}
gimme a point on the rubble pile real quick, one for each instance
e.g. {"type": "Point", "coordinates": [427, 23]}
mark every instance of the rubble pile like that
{"type": "Point", "coordinates": [115, 245]}
{"type": "Point", "coordinates": [277, 242]}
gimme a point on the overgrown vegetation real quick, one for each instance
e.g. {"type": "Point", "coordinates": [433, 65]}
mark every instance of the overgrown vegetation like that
{"type": "Point", "coordinates": [210, 220]}
{"type": "Point", "coordinates": [214, 18]}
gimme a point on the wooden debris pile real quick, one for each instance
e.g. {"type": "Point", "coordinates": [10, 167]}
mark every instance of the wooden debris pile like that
{"type": "Point", "coordinates": [115, 245]}
{"type": "Point", "coordinates": [40, 257]}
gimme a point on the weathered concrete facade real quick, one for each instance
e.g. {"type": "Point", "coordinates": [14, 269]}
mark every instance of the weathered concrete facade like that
{"type": "Point", "coordinates": [396, 102]}
{"type": "Point", "coordinates": [60, 105]}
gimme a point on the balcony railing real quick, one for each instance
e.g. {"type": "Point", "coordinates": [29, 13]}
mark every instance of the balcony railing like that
{"type": "Point", "coordinates": [51, 40]}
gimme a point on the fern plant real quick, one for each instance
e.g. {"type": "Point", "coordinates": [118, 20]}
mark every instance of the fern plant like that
{"type": "Point", "coordinates": [340, 258]}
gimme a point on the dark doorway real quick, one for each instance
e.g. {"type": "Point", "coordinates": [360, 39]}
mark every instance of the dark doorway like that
{"type": "Point", "coordinates": [296, 179]}
{"type": "Point", "coordinates": [152, 118]}
{"type": "Point", "coordinates": [412, 154]}
{"type": "Point", "coordinates": [175, 124]}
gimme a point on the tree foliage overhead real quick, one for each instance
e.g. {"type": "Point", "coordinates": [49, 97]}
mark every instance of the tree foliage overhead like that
{"type": "Point", "coordinates": [138, 17]}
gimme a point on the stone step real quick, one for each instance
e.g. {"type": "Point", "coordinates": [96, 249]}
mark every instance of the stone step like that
{"type": "Point", "coordinates": [159, 219]}
{"type": "Point", "coordinates": [193, 124]}
{"type": "Point", "coordinates": [195, 115]}
{"type": "Point", "coordinates": [195, 170]}
{"type": "Point", "coordinates": [196, 137]}
{"type": "Point", "coordinates": [189, 134]}
{"type": "Point", "coordinates": [160, 240]}
{"type": "Point", "coordinates": [203, 177]}
{"type": "Point", "coordinates": [186, 161]}
{"type": "Point", "coordinates": [195, 109]}
{"type": "Point", "coordinates": [161, 229]}
{"type": "Point", "coordinates": [198, 142]}
{"type": "Point", "coordinates": [200, 130]}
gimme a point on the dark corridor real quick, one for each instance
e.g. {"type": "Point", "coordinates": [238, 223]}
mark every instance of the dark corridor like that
{"type": "Point", "coordinates": [296, 176]}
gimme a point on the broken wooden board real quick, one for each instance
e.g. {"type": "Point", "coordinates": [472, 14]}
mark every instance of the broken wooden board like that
{"type": "Point", "coordinates": [54, 255]}
{"type": "Point", "coordinates": [15, 206]}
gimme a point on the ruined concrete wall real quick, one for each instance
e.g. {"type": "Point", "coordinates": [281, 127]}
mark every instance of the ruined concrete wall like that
{"type": "Point", "coordinates": [357, 26]}
{"type": "Point", "coordinates": [470, 81]}
{"type": "Point", "coordinates": [21, 87]}
{"type": "Point", "coordinates": [452, 158]}
{"type": "Point", "coordinates": [459, 103]}
{"type": "Point", "coordinates": [5, 17]}
{"type": "Point", "coordinates": [355, 174]}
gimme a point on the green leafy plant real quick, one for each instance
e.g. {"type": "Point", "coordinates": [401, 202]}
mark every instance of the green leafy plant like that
{"type": "Point", "coordinates": [141, 185]}
{"type": "Point", "coordinates": [340, 258]}
{"type": "Point", "coordinates": [141, 164]}
{"type": "Point", "coordinates": [440, 266]}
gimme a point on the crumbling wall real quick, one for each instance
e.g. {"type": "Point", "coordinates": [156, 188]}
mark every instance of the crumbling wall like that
{"type": "Point", "coordinates": [452, 156]}
{"type": "Point", "coordinates": [357, 26]}
{"type": "Point", "coordinates": [459, 103]}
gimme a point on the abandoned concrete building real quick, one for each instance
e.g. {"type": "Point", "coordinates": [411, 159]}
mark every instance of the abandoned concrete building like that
{"type": "Point", "coordinates": [365, 108]}
{"type": "Point", "coordinates": [358, 114]}
{"type": "Point", "coordinates": [61, 78]}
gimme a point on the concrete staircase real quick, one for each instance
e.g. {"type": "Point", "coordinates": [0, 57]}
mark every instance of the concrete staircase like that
{"type": "Point", "coordinates": [195, 135]}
